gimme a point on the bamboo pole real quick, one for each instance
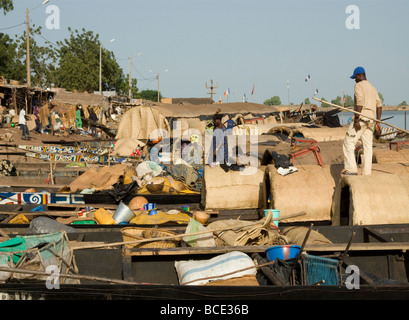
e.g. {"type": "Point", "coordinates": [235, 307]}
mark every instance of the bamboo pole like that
{"type": "Point", "coordinates": [356, 112]}
{"type": "Point", "coordinates": [70, 276]}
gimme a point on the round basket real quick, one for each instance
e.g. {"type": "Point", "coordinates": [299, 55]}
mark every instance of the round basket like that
{"type": "Point", "coordinates": [132, 234]}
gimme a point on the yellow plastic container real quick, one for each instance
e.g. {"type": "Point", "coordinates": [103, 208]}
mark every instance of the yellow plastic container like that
{"type": "Point", "coordinates": [103, 217]}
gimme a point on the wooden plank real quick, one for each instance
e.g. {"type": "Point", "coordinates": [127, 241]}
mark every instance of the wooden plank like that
{"type": "Point", "coordinates": [127, 268]}
{"type": "Point", "coordinates": [337, 247]}
{"type": "Point", "coordinates": [42, 213]}
{"type": "Point", "coordinates": [92, 205]}
{"type": "Point", "coordinates": [79, 244]}
{"type": "Point", "coordinates": [190, 250]}
{"type": "Point", "coordinates": [371, 246]}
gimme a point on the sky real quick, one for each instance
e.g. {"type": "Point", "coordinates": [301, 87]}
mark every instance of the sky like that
{"type": "Point", "coordinates": [240, 44]}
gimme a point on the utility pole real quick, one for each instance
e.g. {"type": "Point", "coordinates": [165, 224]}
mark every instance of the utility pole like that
{"type": "Point", "coordinates": [158, 88]}
{"type": "Point", "coordinates": [28, 52]}
{"type": "Point", "coordinates": [100, 68]}
{"type": "Point", "coordinates": [211, 88]}
{"type": "Point", "coordinates": [130, 82]}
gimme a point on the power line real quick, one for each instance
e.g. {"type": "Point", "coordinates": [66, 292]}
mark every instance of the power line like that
{"type": "Point", "coordinates": [17, 25]}
{"type": "Point", "coordinates": [49, 41]}
{"type": "Point", "coordinates": [143, 78]}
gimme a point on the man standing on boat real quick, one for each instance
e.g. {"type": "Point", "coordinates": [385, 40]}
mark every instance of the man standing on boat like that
{"type": "Point", "coordinates": [367, 103]}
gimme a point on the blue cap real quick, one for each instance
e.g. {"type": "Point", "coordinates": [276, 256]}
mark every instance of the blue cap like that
{"type": "Point", "coordinates": [357, 70]}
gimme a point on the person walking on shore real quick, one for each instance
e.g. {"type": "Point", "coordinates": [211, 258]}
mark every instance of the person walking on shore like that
{"type": "Point", "coordinates": [22, 120]}
{"type": "Point", "coordinates": [367, 103]}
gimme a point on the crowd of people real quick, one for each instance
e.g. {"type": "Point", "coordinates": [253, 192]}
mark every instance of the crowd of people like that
{"type": "Point", "coordinates": [49, 127]}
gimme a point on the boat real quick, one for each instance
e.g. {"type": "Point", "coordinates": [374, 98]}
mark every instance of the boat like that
{"type": "Point", "coordinates": [149, 273]}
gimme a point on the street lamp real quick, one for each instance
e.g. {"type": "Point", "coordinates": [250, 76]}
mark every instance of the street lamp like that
{"type": "Point", "coordinates": [157, 77]}
{"type": "Point", "coordinates": [28, 43]}
{"type": "Point", "coordinates": [100, 65]}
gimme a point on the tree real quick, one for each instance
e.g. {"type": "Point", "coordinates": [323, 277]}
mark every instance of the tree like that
{"type": "Point", "coordinates": [124, 87]}
{"type": "Point", "coordinates": [273, 101]}
{"type": "Point", "coordinates": [79, 64]}
{"type": "Point", "coordinates": [337, 101]}
{"type": "Point", "coordinates": [323, 104]}
{"type": "Point", "coordinates": [307, 101]}
{"type": "Point", "coordinates": [349, 102]}
{"type": "Point", "coordinates": [10, 66]}
{"type": "Point", "coordinates": [149, 95]}
{"type": "Point", "coordinates": [6, 6]}
{"type": "Point", "coordinates": [403, 103]}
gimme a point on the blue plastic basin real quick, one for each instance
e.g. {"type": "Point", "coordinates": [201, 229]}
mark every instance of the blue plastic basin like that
{"type": "Point", "coordinates": [284, 252]}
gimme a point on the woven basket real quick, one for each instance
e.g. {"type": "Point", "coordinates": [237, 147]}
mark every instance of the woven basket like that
{"type": "Point", "coordinates": [132, 234]}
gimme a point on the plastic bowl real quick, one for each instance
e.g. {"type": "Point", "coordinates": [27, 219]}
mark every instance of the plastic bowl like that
{"type": "Point", "coordinates": [284, 252]}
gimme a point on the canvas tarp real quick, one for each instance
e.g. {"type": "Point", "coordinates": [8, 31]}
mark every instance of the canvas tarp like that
{"type": "Point", "coordinates": [323, 133]}
{"type": "Point", "coordinates": [140, 123]}
{"type": "Point", "coordinates": [83, 98]}
{"type": "Point", "coordinates": [232, 190]}
{"type": "Point", "coordinates": [310, 189]}
{"type": "Point", "coordinates": [196, 111]}
{"type": "Point", "coordinates": [125, 147]}
{"type": "Point", "coordinates": [102, 179]}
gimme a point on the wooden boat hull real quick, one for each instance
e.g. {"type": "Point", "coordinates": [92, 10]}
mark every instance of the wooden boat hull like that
{"type": "Point", "coordinates": [74, 157]}
{"type": "Point", "coordinates": [199, 295]}
{"type": "Point", "coordinates": [151, 273]}
{"type": "Point", "coordinates": [62, 149]}
{"type": "Point", "coordinates": [19, 197]}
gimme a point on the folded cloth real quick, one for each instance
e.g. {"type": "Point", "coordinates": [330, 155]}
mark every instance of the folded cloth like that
{"type": "Point", "coordinates": [285, 171]}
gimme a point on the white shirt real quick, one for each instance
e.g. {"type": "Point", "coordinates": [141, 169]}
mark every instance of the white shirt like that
{"type": "Point", "coordinates": [22, 119]}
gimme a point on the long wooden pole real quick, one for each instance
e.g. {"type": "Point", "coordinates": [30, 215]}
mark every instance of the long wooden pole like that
{"type": "Point", "coordinates": [28, 66]}
{"type": "Point", "coordinates": [70, 276]}
{"type": "Point", "coordinates": [260, 222]}
{"type": "Point", "coordinates": [356, 112]}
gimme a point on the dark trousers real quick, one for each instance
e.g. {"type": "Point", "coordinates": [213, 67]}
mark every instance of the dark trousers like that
{"type": "Point", "coordinates": [38, 126]}
{"type": "Point", "coordinates": [26, 133]}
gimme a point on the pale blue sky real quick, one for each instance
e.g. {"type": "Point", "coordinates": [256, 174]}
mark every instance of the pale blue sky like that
{"type": "Point", "coordinates": [236, 42]}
